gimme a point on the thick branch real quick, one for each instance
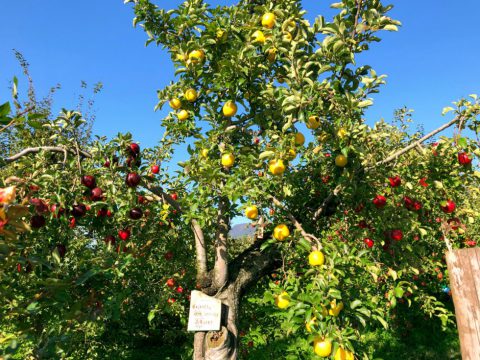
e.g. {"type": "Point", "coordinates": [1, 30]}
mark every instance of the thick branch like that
{"type": "Point", "coordinates": [221, 262]}
{"type": "Point", "coordinates": [252, 264]}
{"type": "Point", "coordinates": [399, 153]}
{"type": "Point", "coordinates": [35, 150]}
{"type": "Point", "coordinates": [200, 248]}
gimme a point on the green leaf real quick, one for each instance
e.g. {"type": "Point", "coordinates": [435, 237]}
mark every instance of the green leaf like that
{"type": "Point", "coordinates": [82, 279]}
{"type": "Point", "coordinates": [266, 154]}
{"type": "Point", "coordinates": [5, 109]}
{"type": "Point", "coordinates": [462, 142]}
{"type": "Point", "coordinates": [151, 316]}
{"type": "Point", "coordinates": [390, 27]}
{"type": "Point", "coordinates": [399, 292]}
{"type": "Point", "coordinates": [355, 304]}
{"type": "Point", "coordinates": [447, 110]}
{"type": "Point", "coordinates": [335, 293]}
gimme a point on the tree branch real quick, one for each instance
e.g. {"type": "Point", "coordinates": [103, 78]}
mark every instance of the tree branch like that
{"type": "Point", "coordinates": [309, 237]}
{"type": "Point", "coordinates": [35, 150]}
{"type": "Point", "coordinates": [357, 16]}
{"type": "Point", "coordinates": [399, 153]}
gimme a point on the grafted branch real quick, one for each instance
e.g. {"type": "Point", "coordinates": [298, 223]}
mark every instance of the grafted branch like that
{"type": "Point", "coordinates": [37, 149]}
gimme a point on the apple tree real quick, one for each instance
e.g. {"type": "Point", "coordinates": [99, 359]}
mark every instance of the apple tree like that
{"type": "Point", "coordinates": [349, 223]}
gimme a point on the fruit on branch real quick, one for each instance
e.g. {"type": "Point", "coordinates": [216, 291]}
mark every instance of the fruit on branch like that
{"type": "Point", "coordinates": [228, 160]}
{"type": "Point", "coordinates": [396, 234]}
{"type": "Point", "coordinates": [183, 115]}
{"type": "Point", "coordinates": [281, 232]}
{"type": "Point", "coordinates": [343, 354]}
{"type": "Point", "coordinates": [283, 300]}
{"type": "Point", "coordinates": [132, 180]}
{"type": "Point", "coordinates": [61, 250]}
{"type": "Point", "coordinates": [170, 283]}
{"type": "Point", "coordinates": [322, 347]}
{"type": "Point", "coordinates": [196, 56]}
{"type": "Point", "coordinates": [268, 20]}
{"type": "Point", "coordinates": [341, 160]}
{"type": "Point", "coordinates": [411, 204]}
{"type": "Point", "coordinates": [395, 181]}
{"type": "Point", "coordinates": [251, 212]}
{"type": "Point", "coordinates": [464, 158]}
{"type": "Point", "coordinates": [342, 133]}
{"type": "Point", "coordinates": [448, 206]}
{"type": "Point", "coordinates": [175, 103]}
{"type": "Point", "coordinates": [299, 139]}
{"type": "Point", "coordinates": [155, 169]}
{"type": "Point", "coordinates": [276, 166]}
{"type": "Point", "coordinates": [109, 240]}
{"type": "Point", "coordinates": [79, 210]}
{"type": "Point", "coordinates": [380, 201]}
{"type": "Point", "coordinates": [229, 108]}
{"type": "Point", "coordinates": [135, 213]}
{"type": "Point", "coordinates": [204, 153]}
{"type": "Point", "coordinates": [133, 149]}
{"type": "Point", "coordinates": [313, 122]}
{"type": "Point", "coordinates": [191, 95]}
{"type": "Point", "coordinates": [124, 234]}
{"type": "Point", "coordinates": [369, 242]}
{"type": "Point", "coordinates": [97, 194]}
{"type": "Point", "coordinates": [316, 258]}
{"type": "Point", "coordinates": [258, 37]}
{"type": "Point", "coordinates": [89, 181]}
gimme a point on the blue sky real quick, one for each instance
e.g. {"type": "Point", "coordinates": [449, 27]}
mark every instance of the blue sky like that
{"type": "Point", "coordinates": [433, 60]}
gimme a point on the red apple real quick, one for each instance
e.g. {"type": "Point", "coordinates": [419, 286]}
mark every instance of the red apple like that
{"type": "Point", "coordinates": [448, 206]}
{"type": "Point", "coordinates": [97, 194]}
{"type": "Point", "coordinates": [179, 289]}
{"type": "Point", "coordinates": [395, 181]}
{"type": "Point", "coordinates": [174, 196]}
{"type": "Point", "coordinates": [368, 242]}
{"type": "Point", "coordinates": [134, 149]}
{"type": "Point", "coordinates": [168, 255]}
{"type": "Point", "coordinates": [79, 210]}
{"type": "Point", "coordinates": [155, 169]}
{"type": "Point", "coordinates": [396, 235]}
{"type": "Point", "coordinates": [170, 283]}
{"type": "Point", "coordinates": [464, 159]}
{"type": "Point", "coordinates": [135, 213]}
{"type": "Point", "coordinates": [72, 222]}
{"type": "Point", "coordinates": [124, 234]}
{"type": "Point", "coordinates": [171, 300]}
{"type": "Point", "coordinates": [89, 181]}
{"type": "Point", "coordinates": [132, 180]}
{"type": "Point", "coordinates": [380, 201]}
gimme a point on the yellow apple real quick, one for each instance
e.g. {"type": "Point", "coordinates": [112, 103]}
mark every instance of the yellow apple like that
{"type": "Point", "coordinates": [313, 122]}
{"type": "Point", "coordinates": [281, 232]}
{"type": "Point", "coordinates": [183, 115]}
{"type": "Point", "coordinates": [228, 160]}
{"type": "Point", "coordinates": [251, 212]}
{"type": "Point", "coordinates": [322, 347]}
{"type": "Point", "coordinates": [282, 300]}
{"type": "Point", "coordinates": [191, 95]}
{"type": "Point", "coordinates": [268, 20]}
{"type": "Point", "coordinates": [316, 258]}
{"type": "Point", "coordinates": [341, 160]}
{"type": "Point", "coordinates": [229, 108]}
{"type": "Point", "coordinates": [299, 139]}
{"type": "Point", "coordinates": [258, 37]}
{"type": "Point", "coordinates": [276, 167]}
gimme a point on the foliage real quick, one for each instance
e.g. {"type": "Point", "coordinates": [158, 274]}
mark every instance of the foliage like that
{"type": "Point", "coordinates": [69, 290]}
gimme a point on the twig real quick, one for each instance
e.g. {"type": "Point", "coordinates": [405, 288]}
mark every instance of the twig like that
{"type": "Point", "coordinates": [309, 237]}
{"type": "Point", "coordinates": [34, 150]}
{"type": "Point", "coordinates": [357, 15]}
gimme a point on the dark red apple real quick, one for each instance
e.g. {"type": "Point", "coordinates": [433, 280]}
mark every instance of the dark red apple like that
{"type": "Point", "coordinates": [79, 210]}
{"type": "Point", "coordinates": [174, 196]}
{"type": "Point", "coordinates": [132, 180]}
{"type": "Point", "coordinates": [395, 181]}
{"type": "Point", "coordinates": [135, 213]}
{"type": "Point", "coordinates": [380, 201]}
{"type": "Point", "coordinates": [134, 149]}
{"type": "Point", "coordinates": [72, 223]}
{"type": "Point", "coordinates": [37, 221]}
{"type": "Point", "coordinates": [102, 212]}
{"type": "Point", "coordinates": [396, 235]}
{"type": "Point", "coordinates": [89, 181]}
{"type": "Point", "coordinates": [168, 255]}
{"type": "Point", "coordinates": [97, 194]}
{"type": "Point", "coordinates": [155, 169]}
{"type": "Point", "coordinates": [448, 206]}
{"type": "Point", "coordinates": [368, 242]}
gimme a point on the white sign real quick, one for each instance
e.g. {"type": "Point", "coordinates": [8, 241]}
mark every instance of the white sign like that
{"type": "Point", "coordinates": [205, 312]}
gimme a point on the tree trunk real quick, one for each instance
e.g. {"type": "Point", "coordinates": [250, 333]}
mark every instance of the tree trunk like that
{"type": "Point", "coordinates": [223, 344]}
{"type": "Point", "coordinates": [464, 273]}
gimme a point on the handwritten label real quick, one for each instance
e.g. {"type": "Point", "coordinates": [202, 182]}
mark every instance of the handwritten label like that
{"type": "Point", "coordinates": [205, 312]}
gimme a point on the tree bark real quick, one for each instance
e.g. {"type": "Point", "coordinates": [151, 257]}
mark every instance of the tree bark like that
{"type": "Point", "coordinates": [244, 271]}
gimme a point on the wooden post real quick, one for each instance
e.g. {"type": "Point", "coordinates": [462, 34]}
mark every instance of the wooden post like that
{"type": "Point", "coordinates": [464, 272]}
